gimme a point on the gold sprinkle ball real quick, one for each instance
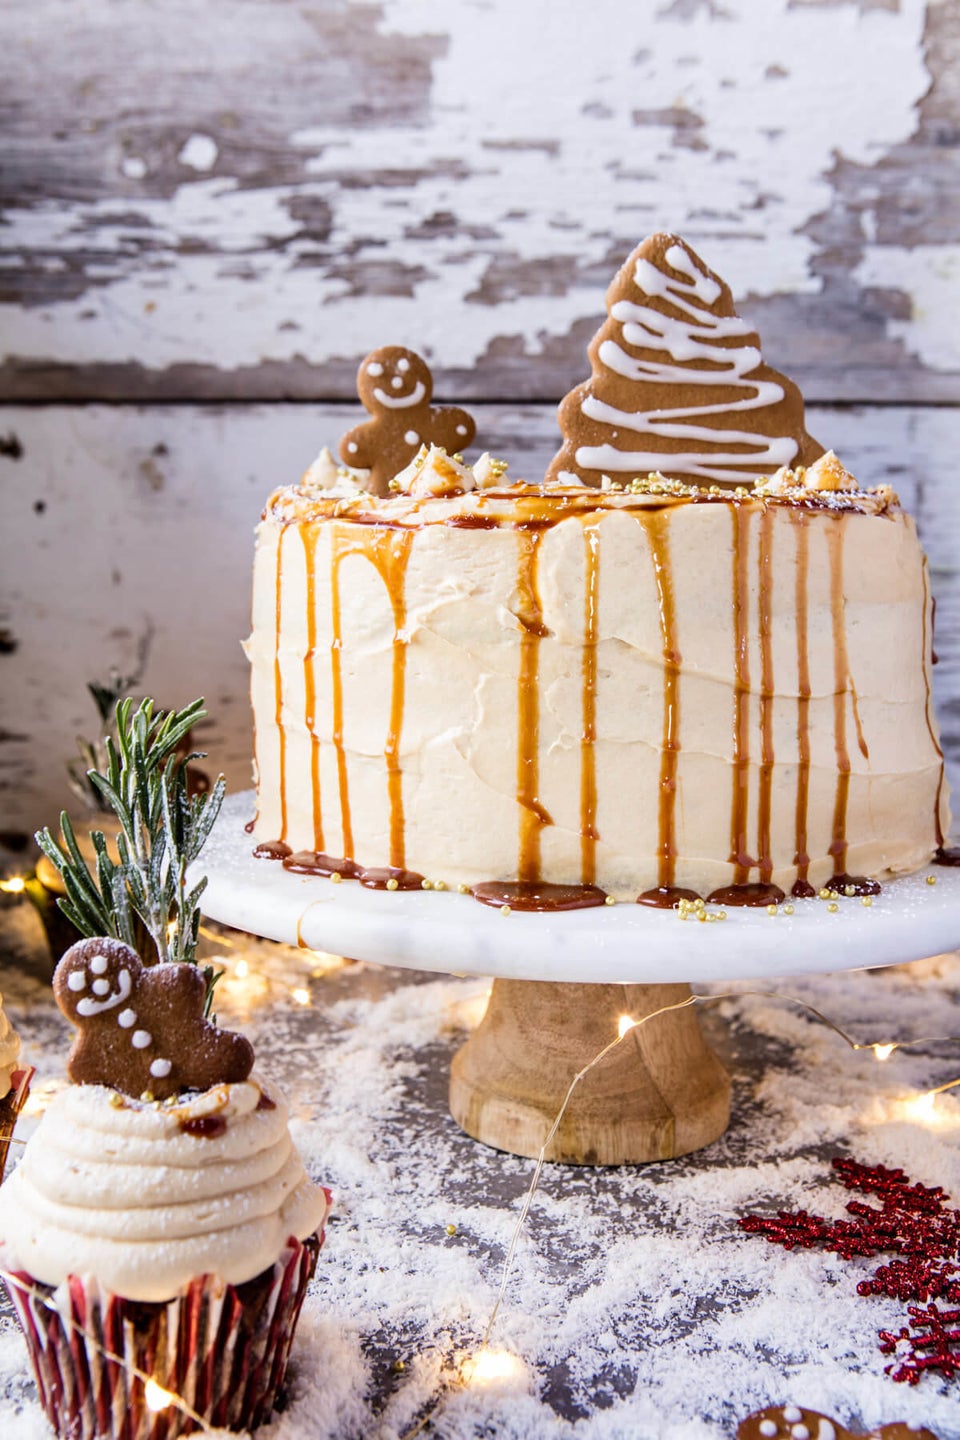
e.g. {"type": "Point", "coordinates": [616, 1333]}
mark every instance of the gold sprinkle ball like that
{"type": "Point", "coordinates": [451, 1229]}
{"type": "Point", "coordinates": [788, 909]}
{"type": "Point", "coordinates": [721, 914]}
{"type": "Point", "coordinates": [393, 884]}
{"type": "Point", "coordinates": [147, 1097]}
{"type": "Point", "coordinates": [931, 879]}
{"type": "Point", "coordinates": [336, 877]}
{"type": "Point", "coordinates": [771, 909]}
{"type": "Point", "coordinates": [824, 894]}
{"type": "Point", "coordinates": [866, 900]}
{"type": "Point", "coordinates": [610, 900]}
{"type": "Point", "coordinates": [439, 884]}
{"type": "Point", "coordinates": [849, 890]}
{"type": "Point", "coordinates": [426, 884]}
{"type": "Point", "coordinates": [463, 889]}
{"type": "Point", "coordinates": [116, 1100]}
{"type": "Point", "coordinates": [505, 910]}
{"type": "Point", "coordinates": [399, 1366]}
{"type": "Point", "coordinates": [833, 906]}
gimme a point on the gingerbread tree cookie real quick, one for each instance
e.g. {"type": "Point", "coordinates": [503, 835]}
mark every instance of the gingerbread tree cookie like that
{"type": "Point", "coordinates": [679, 384]}
{"type": "Point", "coordinates": [142, 1029]}
{"type": "Point", "coordinates": [396, 386]}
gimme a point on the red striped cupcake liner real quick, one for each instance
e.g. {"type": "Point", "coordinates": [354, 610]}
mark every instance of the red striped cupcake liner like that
{"type": "Point", "coordinates": [10, 1107]}
{"type": "Point", "coordinates": [219, 1351]}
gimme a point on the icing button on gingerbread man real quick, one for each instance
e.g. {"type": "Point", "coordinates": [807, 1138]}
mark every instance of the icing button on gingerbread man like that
{"type": "Point", "coordinates": [396, 387]}
{"type": "Point", "coordinates": [142, 1028]}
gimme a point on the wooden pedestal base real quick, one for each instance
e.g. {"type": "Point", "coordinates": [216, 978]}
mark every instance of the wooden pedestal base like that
{"type": "Point", "coordinates": [659, 1094]}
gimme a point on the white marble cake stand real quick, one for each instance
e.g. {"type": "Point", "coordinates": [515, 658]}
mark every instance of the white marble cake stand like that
{"type": "Point", "coordinates": [564, 980]}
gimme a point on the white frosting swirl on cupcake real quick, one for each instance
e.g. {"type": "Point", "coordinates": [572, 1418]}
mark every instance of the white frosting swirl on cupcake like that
{"type": "Point", "coordinates": [147, 1197]}
{"type": "Point", "coordinates": [9, 1052]}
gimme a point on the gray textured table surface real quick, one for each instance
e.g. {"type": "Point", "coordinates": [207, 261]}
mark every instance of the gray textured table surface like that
{"type": "Point", "coordinates": [634, 1306]}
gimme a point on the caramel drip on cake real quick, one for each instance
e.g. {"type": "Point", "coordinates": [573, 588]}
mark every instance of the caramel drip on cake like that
{"type": "Point", "coordinates": [739, 856]}
{"type": "Point", "coordinates": [278, 688]}
{"type": "Point", "coordinates": [927, 648]}
{"type": "Point", "coordinates": [841, 684]}
{"type": "Point", "coordinates": [802, 578]}
{"type": "Point", "coordinates": [388, 551]}
{"type": "Point", "coordinates": [395, 552]}
{"type": "Point", "coordinates": [532, 815]}
{"type": "Point", "coordinates": [309, 536]}
{"type": "Point", "coordinates": [336, 692]}
{"type": "Point", "coordinates": [657, 528]}
{"type": "Point", "coordinates": [588, 739]}
{"type": "Point", "coordinates": [765, 602]}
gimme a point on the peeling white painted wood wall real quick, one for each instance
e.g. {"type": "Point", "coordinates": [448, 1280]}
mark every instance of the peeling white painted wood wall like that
{"type": "Point", "coordinates": [210, 209]}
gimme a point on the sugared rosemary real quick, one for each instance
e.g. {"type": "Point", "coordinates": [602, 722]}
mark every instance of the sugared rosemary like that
{"type": "Point", "coordinates": [143, 900]}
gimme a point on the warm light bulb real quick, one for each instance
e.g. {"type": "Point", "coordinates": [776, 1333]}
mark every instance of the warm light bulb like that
{"type": "Point", "coordinates": [626, 1023]}
{"type": "Point", "coordinates": [883, 1052]}
{"type": "Point", "coordinates": [156, 1397]}
{"type": "Point", "coordinates": [241, 969]}
{"type": "Point", "coordinates": [302, 997]}
{"type": "Point", "coordinates": [492, 1365]}
{"type": "Point", "coordinates": [14, 886]}
{"type": "Point", "coordinates": [921, 1107]}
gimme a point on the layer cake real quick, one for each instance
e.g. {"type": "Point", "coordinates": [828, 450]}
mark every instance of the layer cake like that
{"type": "Point", "coordinates": [620, 682]}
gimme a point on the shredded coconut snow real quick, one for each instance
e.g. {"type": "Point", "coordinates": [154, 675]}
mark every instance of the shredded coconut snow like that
{"type": "Point", "coordinates": [635, 1306]}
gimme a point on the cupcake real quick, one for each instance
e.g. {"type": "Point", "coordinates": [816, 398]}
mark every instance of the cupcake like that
{"type": "Point", "coordinates": [160, 1231]}
{"type": "Point", "coordinates": [14, 1084]}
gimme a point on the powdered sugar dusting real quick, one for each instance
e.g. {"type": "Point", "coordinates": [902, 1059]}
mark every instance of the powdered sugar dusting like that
{"type": "Point", "coordinates": [635, 1307]}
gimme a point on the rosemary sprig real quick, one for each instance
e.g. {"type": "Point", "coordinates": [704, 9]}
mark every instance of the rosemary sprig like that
{"type": "Point", "coordinates": [93, 755]}
{"type": "Point", "coordinates": [162, 830]}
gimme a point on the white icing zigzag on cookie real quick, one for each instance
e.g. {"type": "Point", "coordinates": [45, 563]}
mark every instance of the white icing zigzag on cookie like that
{"type": "Point", "coordinates": [684, 341]}
{"type": "Point", "coordinates": [676, 406]}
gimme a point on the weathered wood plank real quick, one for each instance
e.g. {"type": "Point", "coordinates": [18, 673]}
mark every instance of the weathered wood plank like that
{"type": "Point", "coordinates": [132, 526]}
{"type": "Point", "coordinates": [240, 199]}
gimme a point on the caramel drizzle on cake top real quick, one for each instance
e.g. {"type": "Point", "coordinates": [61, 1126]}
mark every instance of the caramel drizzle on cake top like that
{"type": "Point", "coordinates": [529, 614]}
{"type": "Point", "coordinates": [801, 858]}
{"type": "Point", "coordinates": [589, 834]}
{"type": "Point", "coordinates": [739, 807]}
{"type": "Point", "coordinates": [767, 696]}
{"type": "Point", "coordinates": [388, 549]}
{"type": "Point", "coordinates": [928, 708]}
{"type": "Point", "coordinates": [309, 537]}
{"type": "Point", "coordinates": [278, 685]}
{"type": "Point", "coordinates": [658, 538]}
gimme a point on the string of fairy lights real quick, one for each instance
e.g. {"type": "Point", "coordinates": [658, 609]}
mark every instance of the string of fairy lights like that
{"type": "Point", "coordinates": [485, 1364]}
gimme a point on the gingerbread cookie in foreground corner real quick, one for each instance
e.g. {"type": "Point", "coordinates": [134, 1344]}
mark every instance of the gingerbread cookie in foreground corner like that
{"type": "Point", "coordinates": [789, 1422]}
{"type": "Point", "coordinates": [185, 1229]}
{"type": "Point", "coordinates": [679, 386]}
{"type": "Point", "coordinates": [396, 387]}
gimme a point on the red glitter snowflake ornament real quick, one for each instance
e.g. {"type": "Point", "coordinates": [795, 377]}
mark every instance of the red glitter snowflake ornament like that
{"type": "Point", "coordinates": [914, 1224]}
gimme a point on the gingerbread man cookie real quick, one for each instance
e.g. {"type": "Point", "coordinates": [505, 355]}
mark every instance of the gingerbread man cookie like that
{"type": "Point", "coordinates": [789, 1422]}
{"type": "Point", "coordinates": [395, 385]}
{"type": "Point", "coordinates": [141, 1029]}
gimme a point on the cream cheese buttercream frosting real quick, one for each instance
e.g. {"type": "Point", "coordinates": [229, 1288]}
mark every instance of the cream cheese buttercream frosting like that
{"type": "Point", "coordinates": [648, 685]}
{"type": "Point", "coordinates": [148, 1197]}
